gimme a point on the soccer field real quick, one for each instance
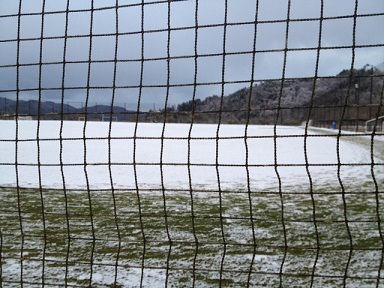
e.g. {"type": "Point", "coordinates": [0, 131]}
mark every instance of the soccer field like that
{"type": "Point", "coordinates": [183, 207]}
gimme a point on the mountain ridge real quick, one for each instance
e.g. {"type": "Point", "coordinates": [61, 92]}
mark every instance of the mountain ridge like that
{"type": "Point", "coordinates": [266, 102]}
{"type": "Point", "coordinates": [53, 110]}
{"type": "Point", "coordinates": [261, 103]}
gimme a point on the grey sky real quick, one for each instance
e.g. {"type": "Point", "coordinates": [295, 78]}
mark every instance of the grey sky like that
{"type": "Point", "coordinates": [302, 34]}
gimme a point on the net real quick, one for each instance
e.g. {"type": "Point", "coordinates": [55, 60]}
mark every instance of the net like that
{"type": "Point", "coordinates": [191, 143]}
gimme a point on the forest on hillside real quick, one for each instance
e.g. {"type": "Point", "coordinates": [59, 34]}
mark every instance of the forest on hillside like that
{"type": "Point", "coordinates": [293, 101]}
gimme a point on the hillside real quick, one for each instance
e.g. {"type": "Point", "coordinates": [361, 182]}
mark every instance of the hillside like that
{"type": "Point", "coordinates": [262, 102]}
{"type": "Point", "coordinates": [355, 99]}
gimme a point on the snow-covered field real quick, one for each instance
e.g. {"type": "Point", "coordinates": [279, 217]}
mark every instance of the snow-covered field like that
{"type": "Point", "coordinates": [175, 237]}
{"type": "Point", "coordinates": [229, 152]}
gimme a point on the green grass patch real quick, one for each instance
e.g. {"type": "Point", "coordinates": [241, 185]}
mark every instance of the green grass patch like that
{"type": "Point", "coordinates": [68, 237]}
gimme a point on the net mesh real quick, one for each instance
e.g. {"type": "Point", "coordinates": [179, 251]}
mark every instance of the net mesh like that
{"type": "Point", "coordinates": [117, 170]}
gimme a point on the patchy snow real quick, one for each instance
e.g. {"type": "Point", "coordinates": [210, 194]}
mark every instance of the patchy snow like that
{"type": "Point", "coordinates": [229, 151]}
{"type": "Point", "coordinates": [271, 154]}
{"type": "Point", "coordinates": [101, 277]}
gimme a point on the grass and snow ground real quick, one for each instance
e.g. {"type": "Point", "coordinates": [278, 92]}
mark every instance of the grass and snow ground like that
{"type": "Point", "coordinates": [177, 238]}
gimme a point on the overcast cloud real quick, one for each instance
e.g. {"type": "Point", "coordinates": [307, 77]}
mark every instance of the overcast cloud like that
{"type": "Point", "coordinates": [302, 34]}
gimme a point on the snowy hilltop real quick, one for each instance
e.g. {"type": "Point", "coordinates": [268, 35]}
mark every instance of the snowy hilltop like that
{"type": "Point", "coordinates": [291, 98]}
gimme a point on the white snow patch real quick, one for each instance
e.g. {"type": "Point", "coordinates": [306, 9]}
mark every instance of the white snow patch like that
{"type": "Point", "coordinates": [230, 153]}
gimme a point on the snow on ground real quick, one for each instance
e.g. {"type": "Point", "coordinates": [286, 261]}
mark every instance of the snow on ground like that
{"type": "Point", "coordinates": [229, 149]}
{"type": "Point", "coordinates": [71, 262]}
